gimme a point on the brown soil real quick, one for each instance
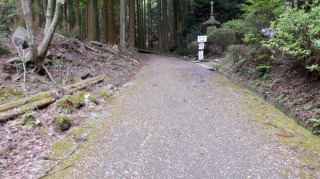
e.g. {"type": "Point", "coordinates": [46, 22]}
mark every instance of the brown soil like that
{"type": "Point", "coordinates": [24, 145]}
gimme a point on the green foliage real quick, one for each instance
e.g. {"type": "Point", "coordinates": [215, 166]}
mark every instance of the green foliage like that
{"type": "Point", "coordinates": [262, 69]}
{"type": "Point", "coordinates": [239, 28]}
{"type": "Point", "coordinates": [237, 53]}
{"type": "Point", "coordinates": [307, 107]}
{"type": "Point", "coordinates": [313, 68]}
{"type": "Point", "coordinates": [297, 34]}
{"type": "Point", "coordinates": [193, 47]}
{"type": "Point", "coordinates": [7, 16]}
{"type": "Point", "coordinates": [250, 6]}
{"type": "Point", "coordinates": [221, 39]}
{"type": "Point", "coordinates": [315, 125]}
{"type": "Point", "coordinates": [255, 22]}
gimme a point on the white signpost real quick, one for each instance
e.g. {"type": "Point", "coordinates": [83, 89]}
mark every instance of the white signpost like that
{"type": "Point", "coordinates": [201, 40]}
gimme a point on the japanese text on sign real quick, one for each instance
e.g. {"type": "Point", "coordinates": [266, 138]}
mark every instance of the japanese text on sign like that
{"type": "Point", "coordinates": [202, 38]}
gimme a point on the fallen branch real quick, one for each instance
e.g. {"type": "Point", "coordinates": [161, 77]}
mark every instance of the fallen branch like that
{"type": "Point", "coordinates": [48, 174]}
{"type": "Point", "coordinates": [274, 125]}
{"type": "Point", "coordinates": [14, 104]}
{"type": "Point", "coordinates": [13, 109]}
{"type": "Point", "coordinates": [25, 108]}
{"type": "Point", "coordinates": [82, 84]}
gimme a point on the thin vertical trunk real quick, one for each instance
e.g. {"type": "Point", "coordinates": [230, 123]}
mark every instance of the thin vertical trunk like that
{"type": "Point", "coordinates": [105, 21]}
{"type": "Point", "coordinates": [131, 22]}
{"type": "Point", "coordinates": [92, 20]}
{"type": "Point", "coordinates": [150, 24]}
{"type": "Point", "coordinates": [77, 15]}
{"type": "Point", "coordinates": [112, 23]}
{"type": "Point", "coordinates": [139, 24]}
{"type": "Point", "coordinates": [160, 33]}
{"type": "Point", "coordinates": [122, 26]}
{"type": "Point", "coordinates": [165, 25]}
{"type": "Point", "coordinates": [48, 15]}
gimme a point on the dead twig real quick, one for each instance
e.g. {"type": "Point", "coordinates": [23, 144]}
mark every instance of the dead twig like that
{"type": "Point", "coordinates": [276, 126]}
{"type": "Point", "coordinates": [48, 174]}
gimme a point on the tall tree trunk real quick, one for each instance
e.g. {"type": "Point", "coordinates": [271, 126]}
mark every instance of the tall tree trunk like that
{"type": "Point", "coordinates": [132, 22]}
{"type": "Point", "coordinates": [112, 23]}
{"type": "Point", "coordinates": [122, 26]}
{"type": "Point", "coordinates": [165, 25]}
{"type": "Point", "coordinates": [105, 21]}
{"type": "Point", "coordinates": [48, 15]}
{"type": "Point", "coordinates": [92, 20]}
{"type": "Point", "coordinates": [160, 32]}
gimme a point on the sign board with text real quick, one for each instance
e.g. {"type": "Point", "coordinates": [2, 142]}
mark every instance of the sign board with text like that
{"type": "Point", "coordinates": [200, 55]}
{"type": "Point", "coordinates": [201, 46]}
{"type": "Point", "coordinates": [202, 38]}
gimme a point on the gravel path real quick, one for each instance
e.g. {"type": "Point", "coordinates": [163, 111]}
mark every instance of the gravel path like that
{"type": "Point", "coordinates": [179, 120]}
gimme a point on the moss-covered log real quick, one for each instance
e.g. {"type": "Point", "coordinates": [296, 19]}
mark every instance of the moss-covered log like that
{"type": "Point", "coordinates": [12, 113]}
{"type": "Point", "coordinates": [23, 101]}
{"type": "Point", "coordinates": [82, 84]}
{"type": "Point", "coordinates": [13, 109]}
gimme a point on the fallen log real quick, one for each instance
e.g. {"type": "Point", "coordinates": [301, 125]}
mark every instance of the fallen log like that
{"type": "Point", "coordinates": [13, 109]}
{"type": "Point", "coordinates": [82, 84]}
{"type": "Point", "coordinates": [23, 101]}
{"type": "Point", "coordinates": [12, 113]}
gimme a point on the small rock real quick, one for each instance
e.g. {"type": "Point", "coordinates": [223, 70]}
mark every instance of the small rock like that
{"type": "Point", "coordinates": [20, 37]}
{"type": "Point", "coordinates": [63, 123]}
{"type": "Point", "coordinates": [109, 87]}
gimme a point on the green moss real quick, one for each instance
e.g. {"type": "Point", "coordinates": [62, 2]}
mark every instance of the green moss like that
{"type": "Point", "coordinates": [91, 97]}
{"type": "Point", "coordinates": [69, 102]}
{"type": "Point", "coordinates": [284, 129]}
{"type": "Point", "coordinates": [104, 94]}
{"type": "Point", "coordinates": [62, 122]}
{"type": "Point", "coordinates": [10, 93]}
{"type": "Point", "coordinates": [43, 132]}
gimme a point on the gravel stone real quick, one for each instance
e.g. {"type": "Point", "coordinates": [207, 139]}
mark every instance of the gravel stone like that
{"type": "Point", "coordinates": [180, 120]}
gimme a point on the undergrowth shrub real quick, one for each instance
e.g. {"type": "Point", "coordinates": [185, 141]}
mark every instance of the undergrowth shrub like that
{"type": "Point", "coordinates": [193, 48]}
{"type": "Point", "coordinates": [297, 34]}
{"type": "Point", "coordinates": [256, 22]}
{"type": "Point", "coordinates": [239, 28]}
{"type": "Point", "coordinates": [220, 39]}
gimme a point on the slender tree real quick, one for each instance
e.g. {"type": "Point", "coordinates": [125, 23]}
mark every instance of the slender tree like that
{"type": "Point", "coordinates": [132, 22]}
{"type": "Point", "coordinates": [111, 23]}
{"type": "Point", "coordinates": [92, 20]}
{"type": "Point", "coordinates": [122, 26]}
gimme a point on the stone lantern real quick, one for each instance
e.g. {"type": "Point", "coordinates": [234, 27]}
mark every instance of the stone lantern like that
{"type": "Point", "coordinates": [212, 22]}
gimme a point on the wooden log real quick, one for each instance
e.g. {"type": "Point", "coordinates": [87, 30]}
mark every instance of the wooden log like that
{"type": "Point", "coordinates": [82, 84]}
{"type": "Point", "coordinates": [23, 101]}
{"type": "Point", "coordinates": [12, 113]}
{"type": "Point", "coordinates": [13, 109]}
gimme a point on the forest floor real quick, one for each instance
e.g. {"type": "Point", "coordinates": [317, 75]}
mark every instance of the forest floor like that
{"type": "Point", "coordinates": [26, 141]}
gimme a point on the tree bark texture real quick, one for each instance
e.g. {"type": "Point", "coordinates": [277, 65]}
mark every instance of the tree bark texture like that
{"type": "Point", "coordinates": [92, 20]}
{"type": "Point", "coordinates": [112, 23]}
{"type": "Point", "coordinates": [122, 25]}
{"type": "Point", "coordinates": [132, 22]}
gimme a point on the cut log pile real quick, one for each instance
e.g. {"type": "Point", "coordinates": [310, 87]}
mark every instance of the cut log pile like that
{"type": "Point", "coordinates": [15, 108]}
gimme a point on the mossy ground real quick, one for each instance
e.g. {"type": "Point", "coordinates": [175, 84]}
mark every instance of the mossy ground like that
{"type": "Point", "coordinates": [282, 128]}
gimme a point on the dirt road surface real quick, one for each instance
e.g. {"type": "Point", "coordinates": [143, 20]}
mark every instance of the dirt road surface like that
{"type": "Point", "coordinates": [176, 119]}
